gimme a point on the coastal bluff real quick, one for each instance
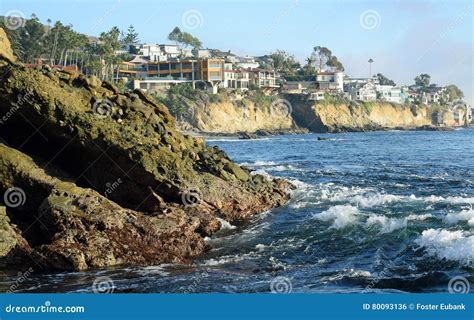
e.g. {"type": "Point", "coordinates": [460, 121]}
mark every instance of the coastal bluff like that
{"type": "Point", "coordinates": [332, 118]}
{"type": "Point", "coordinates": [92, 177]}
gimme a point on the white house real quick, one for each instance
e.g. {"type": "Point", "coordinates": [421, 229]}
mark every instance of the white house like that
{"type": "Point", "coordinates": [328, 80]}
{"type": "Point", "coordinates": [236, 79]}
{"type": "Point", "coordinates": [390, 93]}
{"type": "Point", "coordinates": [361, 89]}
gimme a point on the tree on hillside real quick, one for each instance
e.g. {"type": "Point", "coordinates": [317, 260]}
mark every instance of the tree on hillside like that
{"type": "Point", "coordinates": [334, 63]}
{"type": "Point", "coordinates": [31, 39]}
{"type": "Point", "coordinates": [322, 55]}
{"type": "Point", "coordinates": [454, 93]}
{"type": "Point", "coordinates": [283, 62]}
{"type": "Point", "coordinates": [63, 45]}
{"type": "Point", "coordinates": [131, 39]}
{"type": "Point", "coordinates": [184, 38]}
{"type": "Point", "coordinates": [383, 80]}
{"type": "Point", "coordinates": [423, 80]}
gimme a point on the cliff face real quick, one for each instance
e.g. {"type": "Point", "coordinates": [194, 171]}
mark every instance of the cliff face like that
{"type": "Point", "coordinates": [229, 117]}
{"type": "Point", "coordinates": [321, 117]}
{"type": "Point", "coordinates": [93, 177]}
{"type": "Point", "coordinates": [228, 112]}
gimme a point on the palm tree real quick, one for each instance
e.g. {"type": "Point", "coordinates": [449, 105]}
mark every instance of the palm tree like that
{"type": "Point", "coordinates": [370, 67]}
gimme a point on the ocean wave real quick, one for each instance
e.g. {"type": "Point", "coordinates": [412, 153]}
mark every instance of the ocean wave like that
{"type": "Point", "coordinates": [387, 225]}
{"type": "Point", "coordinates": [450, 245]}
{"type": "Point", "coordinates": [341, 216]}
{"type": "Point", "coordinates": [420, 217]}
{"type": "Point", "coordinates": [465, 215]}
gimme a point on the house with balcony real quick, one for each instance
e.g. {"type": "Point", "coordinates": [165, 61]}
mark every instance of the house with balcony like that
{"type": "Point", "coordinates": [260, 78]}
{"type": "Point", "coordinates": [206, 73]}
{"type": "Point", "coordinates": [391, 93]}
{"type": "Point", "coordinates": [330, 81]}
{"type": "Point", "coordinates": [236, 79]}
{"type": "Point", "coordinates": [363, 89]}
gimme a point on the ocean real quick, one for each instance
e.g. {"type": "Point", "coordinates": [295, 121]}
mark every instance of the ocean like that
{"type": "Point", "coordinates": [371, 212]}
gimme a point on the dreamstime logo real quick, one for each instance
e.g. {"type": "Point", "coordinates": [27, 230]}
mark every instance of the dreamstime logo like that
{"type": "Point", "coordinates": [281, 285]}
{"type": "Point", "coordinates": [189, 113]}
{"type": "Point", "coordinates": [103, 108]}
{"type": "Point", "coordinates": [191, 197]}
{"type": "Point", "coordinates": [370, 19]}
{"type": "Point", "coordinates": [192, 19]}
{"type": "Point", "coordinates": [103, 285]}
{"type": "Point", "coordinates": [14, 197]}
{"type": "Point", "coordinates": [282, 106]}
{"type": "Point", "coordinates": [14, 19]}
{"type": "Point", "coordinates": [458, 285]}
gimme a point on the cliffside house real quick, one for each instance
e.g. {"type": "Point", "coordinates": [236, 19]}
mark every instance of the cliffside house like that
{"type": "Point", "coordinates": [236, 79]}
{"type": "Point", "coordinates": [391, 93]}
{"type": "Point", "coordinates": [205, 73]}
{"type": "Point", "coordinates": [260, 78]}
{"type": "Point", "coordinates": [160, 52]}
{"type": "Point", "coordinates": [361, 89]}
{"type": "Point", "coordinates": [330, 80]}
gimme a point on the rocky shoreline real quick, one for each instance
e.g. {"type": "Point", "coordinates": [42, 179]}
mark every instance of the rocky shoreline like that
{"type": "Point", "coordinates": [93, 177]}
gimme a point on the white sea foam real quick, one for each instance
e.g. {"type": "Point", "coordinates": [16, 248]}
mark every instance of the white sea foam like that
{"type": "Point", "coordinates": [342, 216]}
{"type": "Point", "coordinates": [420, 217]}
{"type": "Point", "coordinates": [387, 224]}
{"type": "Point", "coordinates": [451, 245]}
{"type": "Point", "coordinates": [465, 215]}
{"type": "Point", "coordinates": [376, 199]}
{"type": "Point", "coordinates": [225, 225]}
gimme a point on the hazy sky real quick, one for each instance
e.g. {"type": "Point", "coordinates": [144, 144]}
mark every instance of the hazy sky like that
{"type": "Point", "coordinates": [403, 37]}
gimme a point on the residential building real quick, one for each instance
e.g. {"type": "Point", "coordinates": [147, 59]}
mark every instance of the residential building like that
{"type": "Point", "coordinates": [260, 78]}
{"type": "Point", "coordinates": [157, 75]}
{"type": "Point", "coordinates": [333, 81]}
{"type": "Point", "coordinates": [391, 93]}
{"type": "Point", "coordinates": [363, 89]}
{"type": "Point", "coordinates": [161, 52]}
{"type": "Point", "coordinates": [135, 68]}
{"type": "Point", "coordinates": [247, 62]}
{"type": "Point", "coordinates": [236, 79]}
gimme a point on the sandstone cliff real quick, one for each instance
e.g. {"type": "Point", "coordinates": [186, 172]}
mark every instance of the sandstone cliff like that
{"type": "Point", "coordinates": [93, 177]}
{"type": "Point", "coordinates": [342, 117]}
{"type": "Point", "coordinates": [229, 112]}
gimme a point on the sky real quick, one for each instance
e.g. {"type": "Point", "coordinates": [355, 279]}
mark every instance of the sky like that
{"type": "Point", "coordinates": [403, 37]}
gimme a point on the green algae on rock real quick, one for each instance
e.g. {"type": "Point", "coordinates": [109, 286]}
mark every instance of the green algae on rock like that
{"type": "Point", "coordinates": [107, 176]}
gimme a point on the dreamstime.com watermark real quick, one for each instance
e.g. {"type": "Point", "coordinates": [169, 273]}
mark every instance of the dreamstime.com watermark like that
{"type": "Point", "coordinates": [22, 277]}
{"type": "Point", "coordinates": [192, 19]}
{"type": "Point", "coordinates": [46, 308]}
{"type": "Point", "coordinates": [281, 285]}
{"type": "Point", "coordinates": [197, 281]}
{"type": "Point", "coordinates": [459, 285]}
{"type": "Point", "coordinates": [191, 197]}
{"type": "Point", "coordinates": [370, 19]}
{"type": "Point", "coordinates": [14, 197]}
{"type": "Point", "coordinates": [14, 19]}
{"type": "Point", "coordinates": [20, 101]}
{"type": "Point", "coordinates": [103, 285]}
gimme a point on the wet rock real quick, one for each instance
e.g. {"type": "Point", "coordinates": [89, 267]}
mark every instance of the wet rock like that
{"type": "Point", "coordinates": [104, 170]}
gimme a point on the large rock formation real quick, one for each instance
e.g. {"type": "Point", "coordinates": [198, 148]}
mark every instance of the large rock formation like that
{"type": "Point", "coordinates": [358, 116]}
{"type": "Point", "coordinates": [233, 113]}
{"type": "Point", "coordinates": [104, 178]}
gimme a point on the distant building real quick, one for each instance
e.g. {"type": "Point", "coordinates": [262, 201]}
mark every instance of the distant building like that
{"type": "Point", "coordinates": [236, 79]}
{"type": "Point", "coordinates": [333, 81]}
{"type": "Point", "coordinates": [390, 93]}
{"type": "Point", "coordinates": [361, 88]}
{"type": "Point", "coordinates": [260, 78]}
{"type": "Point", "coordinates": [207, 73]}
